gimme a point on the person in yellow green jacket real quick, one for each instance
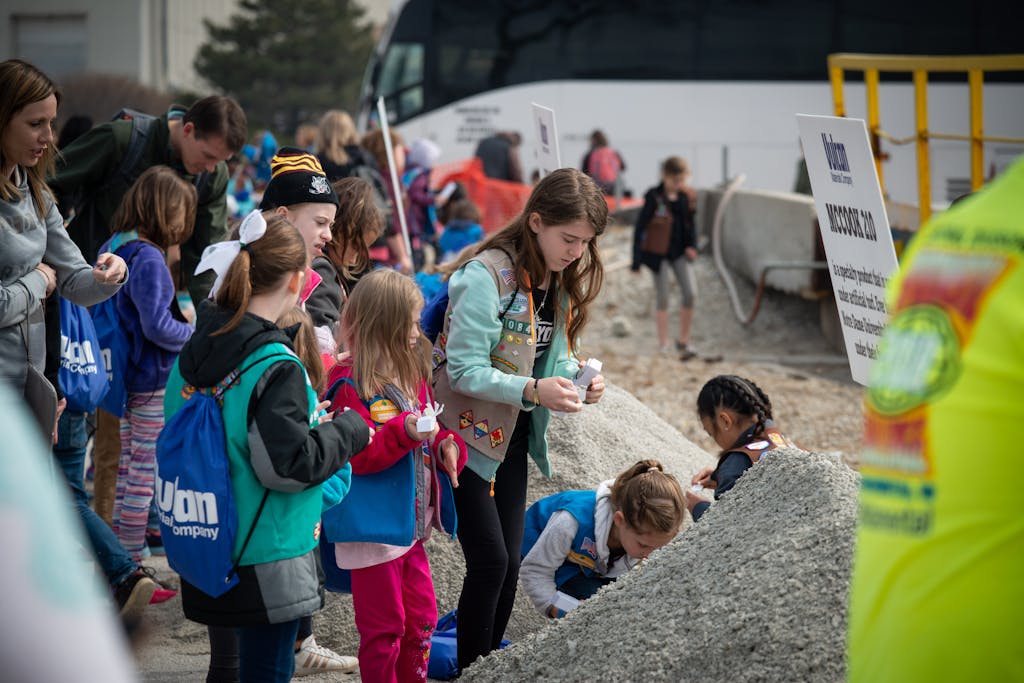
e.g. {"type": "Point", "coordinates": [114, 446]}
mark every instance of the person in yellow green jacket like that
{"type": "Point", "coordinates": [938, 579]}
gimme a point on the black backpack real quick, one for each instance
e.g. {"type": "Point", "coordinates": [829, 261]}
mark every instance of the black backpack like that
{"type": "Point", "coordinates": [89, 230]}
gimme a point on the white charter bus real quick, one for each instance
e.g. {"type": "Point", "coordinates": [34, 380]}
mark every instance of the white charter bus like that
{"type": "Point", "coordinates": [717, 82]}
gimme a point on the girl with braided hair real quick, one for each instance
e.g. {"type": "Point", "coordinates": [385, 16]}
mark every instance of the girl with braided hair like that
{"type": "Point", "coordinates": [738, 416]}
{"type": "Point", "coordinates": [575, 542]}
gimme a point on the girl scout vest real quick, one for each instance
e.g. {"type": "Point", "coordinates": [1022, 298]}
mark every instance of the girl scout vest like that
{"type": "Point", "coordinates": [583, 556]}
{"type": "Point", "coordinates": [486, 425]}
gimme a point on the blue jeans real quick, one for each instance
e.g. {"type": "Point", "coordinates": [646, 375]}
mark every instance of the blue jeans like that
{"type": "Point", "coordinates": [70, 455]}
{"type": "Point", "coordinates": [267, 653]}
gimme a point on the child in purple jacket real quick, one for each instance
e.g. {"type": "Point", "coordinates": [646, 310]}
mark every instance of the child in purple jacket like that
{"type": "Point", "coordinates": [157, 212]}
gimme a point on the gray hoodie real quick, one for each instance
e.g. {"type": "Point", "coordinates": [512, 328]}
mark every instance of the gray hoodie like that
{"type": "Point", "coordinates": [25, 241]}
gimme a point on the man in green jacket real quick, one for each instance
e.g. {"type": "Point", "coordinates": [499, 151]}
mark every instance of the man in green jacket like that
{"type": "Point", "coordinates": [92, 176]}
{"type": "Point", "coordinates": [95, 172]}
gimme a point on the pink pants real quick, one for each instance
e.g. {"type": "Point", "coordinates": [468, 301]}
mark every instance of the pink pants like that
{"type": "Point", "coordinates": [395, 614]}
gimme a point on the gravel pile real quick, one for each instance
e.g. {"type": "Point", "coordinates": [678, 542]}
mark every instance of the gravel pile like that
{"type": "Point", "coordinates": [755, 592]}
{"type": "Point", "coordinates": [586, 448]}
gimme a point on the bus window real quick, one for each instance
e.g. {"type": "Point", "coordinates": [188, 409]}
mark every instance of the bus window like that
{"type": "Point", "coordinates": [401, 80]}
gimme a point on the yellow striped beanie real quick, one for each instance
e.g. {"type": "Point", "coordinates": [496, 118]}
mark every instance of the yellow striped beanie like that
{"type": "Point", "coordinates": [296, 177]}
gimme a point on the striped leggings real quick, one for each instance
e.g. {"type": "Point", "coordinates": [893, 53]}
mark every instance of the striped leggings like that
{"type": "Point", "coordinates": [143, 419]}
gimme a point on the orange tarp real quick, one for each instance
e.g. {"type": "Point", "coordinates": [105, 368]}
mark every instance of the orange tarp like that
{"type": "Point", "coordinates": [499, 201]}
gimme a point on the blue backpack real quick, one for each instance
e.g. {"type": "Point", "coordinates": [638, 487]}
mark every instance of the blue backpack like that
{"type": "Point", "coordinates": [444, 650]}
{"type": "Point", "coordinates": [113, 346]}
{"type": "Point", "coordinates": [194, 496]}
{"type": "Point", "coordinates": [82, 377]}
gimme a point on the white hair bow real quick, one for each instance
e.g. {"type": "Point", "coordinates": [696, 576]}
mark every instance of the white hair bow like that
{"type": "Point", "coordinates": [219, 257]}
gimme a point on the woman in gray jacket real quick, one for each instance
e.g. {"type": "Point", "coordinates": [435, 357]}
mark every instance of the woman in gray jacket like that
{"type": "Point", "coordinates": [36, 254]}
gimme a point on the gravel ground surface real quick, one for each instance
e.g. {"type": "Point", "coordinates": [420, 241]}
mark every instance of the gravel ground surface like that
{"type": "Point", "coordinates": [755, 592]}
{"type": "Point", "coordinates": [814, 401]}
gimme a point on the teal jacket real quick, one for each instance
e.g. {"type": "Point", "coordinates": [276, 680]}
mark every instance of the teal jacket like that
{"type": "Point", "coordinates": [271, 446]}
{"type": "Point", "coordinates": [477, 333]}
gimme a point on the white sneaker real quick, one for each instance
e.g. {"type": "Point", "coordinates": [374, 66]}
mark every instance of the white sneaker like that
{"type": "Point", "coordinates": [313, 659]}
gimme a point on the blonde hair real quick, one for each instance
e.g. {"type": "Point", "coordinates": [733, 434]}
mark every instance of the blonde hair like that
{"type": "Point", "coordinates": [306, 347]}
{"type": "Point", "coordinates": [650, 499]}
{"type": "Point", "coordinates": [335, 131]}
{"type": "Point", "coordinates": [261, 266]}
{"type": "Point", "coordinates": [376, 324]}
{"type": "Point", "coordinates": [22, 84]}
{"type": "Point", "coordinates": [152, 203]}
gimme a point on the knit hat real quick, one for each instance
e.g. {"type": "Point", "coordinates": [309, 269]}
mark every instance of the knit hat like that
{"type": "Point", "coordinates": [423, 153]}
{"type": "Point", "coordinates": [296, 177]}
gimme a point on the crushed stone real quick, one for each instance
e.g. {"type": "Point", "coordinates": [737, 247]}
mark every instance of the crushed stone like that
{"type": "Point", "coordinates": [754, 592]}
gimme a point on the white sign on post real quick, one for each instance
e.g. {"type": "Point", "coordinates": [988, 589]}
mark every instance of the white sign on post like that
{"type": "Point", "coordinates": [546, 149]}
{"type": "Point", "coordinates": [854, 229]}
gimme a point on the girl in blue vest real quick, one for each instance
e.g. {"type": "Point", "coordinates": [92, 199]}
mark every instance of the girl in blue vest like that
{"type": "Point", "coordinates": [157, 213]}
{"type": "Point", "coordinates": [279, 452]}
{"type": "Point", "coordinates": [738, 416]}
{"type": "Point", "coordinates": [401, 483]}
{"type": "Point", "coordinates": [575, 542]}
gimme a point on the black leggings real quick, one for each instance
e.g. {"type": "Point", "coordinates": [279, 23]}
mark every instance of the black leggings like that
{"type": "Point", "coordinates": [491, 534]}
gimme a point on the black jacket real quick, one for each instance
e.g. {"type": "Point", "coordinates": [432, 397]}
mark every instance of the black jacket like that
{"type": "Point", "coordinates": [684, 230]}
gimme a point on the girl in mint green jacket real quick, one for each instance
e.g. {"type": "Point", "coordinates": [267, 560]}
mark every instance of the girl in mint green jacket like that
{"type": "Point", "coordinates": [504, 358]}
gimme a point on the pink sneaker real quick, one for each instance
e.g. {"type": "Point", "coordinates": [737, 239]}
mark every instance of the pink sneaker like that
{"type": "Point", "coordinates": [161, 595]}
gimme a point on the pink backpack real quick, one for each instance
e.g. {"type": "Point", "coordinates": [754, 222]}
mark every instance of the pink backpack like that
{"type": "Point", "coordinates": [605, 165]}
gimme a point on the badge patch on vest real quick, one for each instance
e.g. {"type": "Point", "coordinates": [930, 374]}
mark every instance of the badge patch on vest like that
{"type": "Point", "coordinates": [507, 276]}
{"type": "Point", "coordinates": [497, 437]}
{"type": "Point", "coordinates": [589, 546]}
{"type": "Point", "coordinates": [480, 429]}
{"type": "Point", "coordinates": [777, 439]}
{"type": "Point", "coordinates": [316, 531]}
{"type": "Point", "coordinates": [519, 304]}
{"type": "Point", "coordinates": [501, 361]}
{"type": "Point", "coordinates": [581, 560]}
{"type": "Point", "coordinates": [758, 445]}
{"type": "Point", "coordinates": [466, 419]}
{"type": "Point", "coordinates": [382, 410]}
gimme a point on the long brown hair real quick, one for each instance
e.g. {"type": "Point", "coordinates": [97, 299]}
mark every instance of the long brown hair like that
{"type": "Point", "coordinates": [376, 323]}
{"type": "Point", "coordinates": [306, 347]}
{"type": "Point", "coordinates": [22, 84]}
{"type": "Point", "coordinates": [562, 196]}
{"type": "Point", "coordinates": [358, 216]}
{"type": "Point", "coordinates": [650, 499]}
{"type": "Point", "coordinates": [261, 266]}
{"type": "Point", "coordinates": [152, 203]}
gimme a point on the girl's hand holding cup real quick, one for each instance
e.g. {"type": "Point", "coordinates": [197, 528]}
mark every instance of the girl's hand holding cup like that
{"type": "Point", "coordinates": [416, 435]}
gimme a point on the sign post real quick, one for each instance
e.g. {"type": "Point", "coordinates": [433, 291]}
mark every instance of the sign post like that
{"type": "Point", "coordinates": [395, 181]}
{"type": "Point", "coordinates": [854, 228]}
{"type": "Point", "coordinates": [546, 150]}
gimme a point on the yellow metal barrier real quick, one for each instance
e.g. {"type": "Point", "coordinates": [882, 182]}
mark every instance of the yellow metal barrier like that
{"type": "Point", "coordinates": [920, 66]}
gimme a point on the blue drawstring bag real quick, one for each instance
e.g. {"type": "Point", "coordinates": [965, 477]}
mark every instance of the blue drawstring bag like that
{"type": "Point", "coordinates": [194, 496]}
{"type": "Point", "coordinates": [444, 650]}
{"type": "Point", "coordinates": [113, 345]}
{"type": "Point", "coordinates": [113, 340]}
{"type": "Point", "coordinates": [82, 375]}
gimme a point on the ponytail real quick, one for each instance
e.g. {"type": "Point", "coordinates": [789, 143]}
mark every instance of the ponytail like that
{"type": "Point", "coordinates": [260, 267]}
{"type": "Point", "coordinates": [650, 499]}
